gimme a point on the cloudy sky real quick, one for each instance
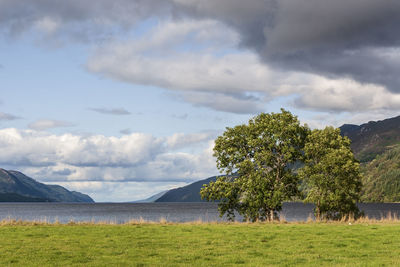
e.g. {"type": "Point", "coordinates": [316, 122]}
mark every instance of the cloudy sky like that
{"type": "Point", "coordinates": [122, 99]}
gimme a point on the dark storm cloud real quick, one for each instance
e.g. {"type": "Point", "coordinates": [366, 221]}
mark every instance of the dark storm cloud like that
{"type": "Point", "coordinates": [358, 39]}
{"type": "Point", "coordinates": [111, 111]}
{"type": "Point", "coordinates": [80, 20]}
{"type": "Point", "coordinates": [333, 38]}
{"type": "Point", "coordinates": [355, 38]}
{"type": "Point", "coordinates": [248, 17]}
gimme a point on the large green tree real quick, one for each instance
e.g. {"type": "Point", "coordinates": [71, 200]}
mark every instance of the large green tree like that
{"type": "Point", "coordinates": [332, 174]}
{"type": "Point", "coordinates": [257, 159]}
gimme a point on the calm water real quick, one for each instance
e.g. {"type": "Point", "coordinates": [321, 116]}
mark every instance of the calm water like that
{"type": "Point", "coordinates": [174, 212]}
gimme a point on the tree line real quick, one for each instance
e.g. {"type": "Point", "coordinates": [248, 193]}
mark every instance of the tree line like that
{"type": "Point", "coordinates": [267, 160]}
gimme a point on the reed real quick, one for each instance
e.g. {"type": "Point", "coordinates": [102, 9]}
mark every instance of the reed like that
{"type": "Point", "coordinates": [388, 218]}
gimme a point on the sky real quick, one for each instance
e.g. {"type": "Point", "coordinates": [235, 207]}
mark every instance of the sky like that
{"type": "Point", "coordinates": [123, 99]}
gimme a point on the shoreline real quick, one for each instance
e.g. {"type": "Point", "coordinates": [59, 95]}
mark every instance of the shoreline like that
{"type": "Point", "coordinates": [389, 219]}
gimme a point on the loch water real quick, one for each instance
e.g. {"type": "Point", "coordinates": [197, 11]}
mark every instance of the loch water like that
{"type": "Point", "coordinates": [173, 212]}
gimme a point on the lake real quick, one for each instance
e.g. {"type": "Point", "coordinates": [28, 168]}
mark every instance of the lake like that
{"type": "Point", "coordinates": [173, 212]}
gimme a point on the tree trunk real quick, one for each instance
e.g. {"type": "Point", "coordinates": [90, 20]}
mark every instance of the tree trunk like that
{"type": "Point", "coordinates": [317, 212]}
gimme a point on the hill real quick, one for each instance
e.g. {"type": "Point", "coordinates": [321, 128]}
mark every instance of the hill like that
{"type": "Point", "coordinates": [381, 178]}
{"type": "Point", "coordinates": [376, 145]}
{"type": "Point", "coordinates": [17, 187]}
{"type": "Point", "coordinates": [189, 193]}
{"type": "Point", "coordinates": [151, 199]}
{"type": "Point", "coordinates": [373, 138]}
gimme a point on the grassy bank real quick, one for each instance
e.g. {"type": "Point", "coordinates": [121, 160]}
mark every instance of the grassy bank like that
{"type": "Point", "coordinates": [146, 244]}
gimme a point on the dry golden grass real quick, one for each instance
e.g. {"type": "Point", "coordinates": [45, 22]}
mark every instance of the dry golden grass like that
{"type": "Point", "coordinates": [388, 218]}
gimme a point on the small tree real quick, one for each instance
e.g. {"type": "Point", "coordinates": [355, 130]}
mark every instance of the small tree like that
{"type": "Point", "coordinates": [332, 174]}
{"type": "Point", "coordinates": [256, 159]}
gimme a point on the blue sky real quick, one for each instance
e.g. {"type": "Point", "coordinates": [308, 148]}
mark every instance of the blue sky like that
{"type": "Point", "coordinates": [123, 100]}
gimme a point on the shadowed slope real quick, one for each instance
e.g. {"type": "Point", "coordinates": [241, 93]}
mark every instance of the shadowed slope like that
{"type": "Point", "coordinates": [16, 186]}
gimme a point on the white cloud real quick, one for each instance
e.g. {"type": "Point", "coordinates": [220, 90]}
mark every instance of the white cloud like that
{"type": "Point", "coordinates": [134, 157]}
{"type": "Point", "coordinates": [190, 72]}
{"type": "Point", "coordinates": [163, 59]}
{"type": "Point", "coordinates": [180, 165]}
{"type": "Point", "coordinates": [159, 57]}
{"type": "Point", "coordinates": [209, 35]}
{"type": "Point", "coordinates": [45, 124]}
{"type": "Point", "coordinates": [228, 81]}
{"type": "Point", "coordinates": [179, 140]}
{"type": "Point", "coordinates": [324, 94]}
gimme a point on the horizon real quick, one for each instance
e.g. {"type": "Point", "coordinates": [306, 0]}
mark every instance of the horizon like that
{"type": "Point", "coordinates": [122, 100]}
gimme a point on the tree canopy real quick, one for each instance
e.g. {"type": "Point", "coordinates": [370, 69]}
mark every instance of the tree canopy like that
{"type": "Point", "coordinates": [381, 177]}
{"type": "Point", "coordinates": [256, 159]}
{"type": "Point", "coordinates": [332, 174]}
{"type": "Point", "coordinates": [259, 159]}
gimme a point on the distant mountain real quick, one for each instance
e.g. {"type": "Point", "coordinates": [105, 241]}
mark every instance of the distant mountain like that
{"type": "Point", "coordinates": [151, 199]}
{"type": "Point", "coordinates": [189, 193]}
{"type": "Point", "coordinates": [373, 138]}
{"type": "Point", "coordinates": [17, 187]}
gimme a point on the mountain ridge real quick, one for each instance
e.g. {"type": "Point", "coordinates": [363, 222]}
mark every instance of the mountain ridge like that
{"type": "Point", "coordinates": [188, 193]}
{"type": "Point", "coordinates": [16, 186]}
{"type": "Point", "coordinates": [372, 138]}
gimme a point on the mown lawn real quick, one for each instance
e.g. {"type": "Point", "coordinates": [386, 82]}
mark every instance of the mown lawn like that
{"type": "Point", "coordinates": [309, 244]}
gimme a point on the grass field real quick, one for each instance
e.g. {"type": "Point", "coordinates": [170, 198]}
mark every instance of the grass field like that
{"type": "Point", "coordinates": [201, 244]}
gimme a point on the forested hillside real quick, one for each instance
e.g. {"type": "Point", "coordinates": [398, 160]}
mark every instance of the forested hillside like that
{"type": "Point", "coordinates": [381, 177]}
{"type": "Point", "coordinates": [376, 145]}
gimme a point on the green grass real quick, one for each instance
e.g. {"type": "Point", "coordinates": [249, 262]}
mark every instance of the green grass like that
{"type": "Point", "coordinates": [308, 244]}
